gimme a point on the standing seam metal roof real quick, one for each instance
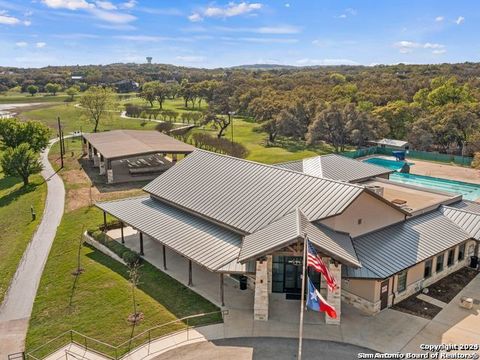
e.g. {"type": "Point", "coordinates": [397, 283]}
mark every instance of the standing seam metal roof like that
{"type": "Point", "coordinates": [248, 196]}
{"type": "Point", "coordinates": [467, 220]}
{"type": "Point", "coordinates": [199, 240]}
{"type": "Point", "coordinates": [336, 167]}
{"type": "Point", "coordinates": [397, 247]}
{"type": "Point", "coordinates": [292, 227]}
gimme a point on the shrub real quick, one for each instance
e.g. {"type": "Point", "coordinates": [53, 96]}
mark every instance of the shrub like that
{"type": "Point", "coordinates": [130, 257]}
{"type": "Point", "coordinates": [222, 145]}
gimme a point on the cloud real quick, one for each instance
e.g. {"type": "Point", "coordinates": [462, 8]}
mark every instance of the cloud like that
{"type": "Point", "coordinates": [439, 18]}
{"type": "Point", "coordinates": [128, 4]}
{"type": "Point", "coordinates": [191, 58]}
{"type": "Point", "coordinates": [21, 44]}
{"type": "Point", "coordinates": [267, 40]}
{"type": "Point", "coordinates": [308, 61]}
{"type": "Point", "coordinates": [76, 36]}
{"type": "Point", "coordinates": [230, 10]}
{"type": "Point", "coordinates": [150, 38]}
{"type": "Point", "coordinates": [460, 20]}
{"type": "Point", "coordinates": [406, 47]}
{"type": "Point", "coordinates": [6, 19]}
{"type": "Point", "coordinates": [27, 22]}
{"type": "Point", "coordinates": [277, 30]}
{"type": "Point", "coordinates": [105, 5]}
{"type": "Point", "coordinates": [113, 17]}
{"type": "Point", "coordinates": [348, 12]}
{"type": "Point", "coordinates": [68, 4]}
{"type": "Point", "coordinates": [287, 5]}
{"type": "Point", "coordinates": [40, 45]}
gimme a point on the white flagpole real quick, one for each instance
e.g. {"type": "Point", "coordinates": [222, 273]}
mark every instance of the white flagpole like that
{"type": "Point", "coordinates": [302, 304]}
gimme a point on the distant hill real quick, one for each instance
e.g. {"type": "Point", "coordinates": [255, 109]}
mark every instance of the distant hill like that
{"type": "Point", "coordinates": [263, 67]}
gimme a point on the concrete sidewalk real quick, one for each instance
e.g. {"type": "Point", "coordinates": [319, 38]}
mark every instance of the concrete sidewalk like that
{"type": "Point", "coordinates": [16, 309]}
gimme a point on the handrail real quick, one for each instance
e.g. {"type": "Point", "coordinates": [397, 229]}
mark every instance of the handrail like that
{"type": "Point", "coordinates": [116, 348]}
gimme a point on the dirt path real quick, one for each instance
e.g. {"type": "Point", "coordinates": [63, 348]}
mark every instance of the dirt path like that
{"type": "Point", "coordinates": [17, 306]}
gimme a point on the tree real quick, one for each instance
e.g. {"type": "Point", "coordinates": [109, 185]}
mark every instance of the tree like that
{"type": "Point", "coordinates": [72, 91]}
{"type": "Point", "coordinates": [21, 161]}
{"type": "Point", "coordinates": [148, 92]}
{"type": "Point", "coordinates": [53, 88]}
{"type": "Point", "coordinates": [220, 122]}
{"type": "Point", "coordinates": [399, 115]}
{"type": "Point", "coordinates": [134, 278]}
{"type": "Point", "coordinates": [14, 132]}
{"type": "Point", "coordinates": [96, 102]}
{"type": "Point", "coordinates": [362, 126]}
{"type": "Point", "coordinates": [164, 127]}
{"type": "Point", "coordinates": [476, 161]}
{"type": "Point", "coordinates": [330, 125]}
{"type": "Point", "coordinates": [161, 91]}
{"type": "Point", "coordinates": [32, 89]}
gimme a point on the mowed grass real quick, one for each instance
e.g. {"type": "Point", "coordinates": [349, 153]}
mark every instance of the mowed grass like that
{"type": "Point", "coordinates": [100, 301]}
{"type": "Point", "coordinates": [15, 97]}
{"type": "Point", "coordinates": [17, 227]}
{"type": "Point", "coordinates": [74, 119]}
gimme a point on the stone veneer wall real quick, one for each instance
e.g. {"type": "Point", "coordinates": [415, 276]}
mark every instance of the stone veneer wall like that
{"type": "Point", "coordinates": [260, 306]}
{"type": "Point", "coordinates": [334, 298]}
{"type": "Point", "coordinates": [360, 303]}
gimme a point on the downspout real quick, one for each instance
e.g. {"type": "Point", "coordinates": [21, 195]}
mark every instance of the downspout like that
{"type": "Point", "coordinates": [393, 292]}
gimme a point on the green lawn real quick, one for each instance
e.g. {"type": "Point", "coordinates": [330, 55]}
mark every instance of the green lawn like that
{"type": "Point", "coordinates": [17, 227]}
{"type": "Point", "coordinates": [99, 303]}
{"type": "Point", "coordinates": [15, 97]}
{"type": "Point", "coordinates": [72, 119]}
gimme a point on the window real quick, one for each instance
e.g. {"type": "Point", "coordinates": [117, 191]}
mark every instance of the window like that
{"type": "Point", "coordinates": [439, 266]}
{"type": "Point", "coordinates": [402, 281]}
{"type": "Point", "coordinates": [461, 252]}
{"type": "Point", "coordinates": [428, 269]}
{"type": "Point", "coordinates": [451, 257]}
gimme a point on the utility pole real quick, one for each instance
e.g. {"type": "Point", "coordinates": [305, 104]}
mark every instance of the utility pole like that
{"type": "Point", "coordinates": [61, 142]}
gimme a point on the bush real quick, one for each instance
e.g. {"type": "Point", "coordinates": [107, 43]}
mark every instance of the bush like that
{"type": "Point", "coordinates": [130, 257]}
{"type": "Point", "coordinates": [222, 145]}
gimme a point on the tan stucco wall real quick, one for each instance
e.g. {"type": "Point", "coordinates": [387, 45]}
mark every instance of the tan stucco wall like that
{"type": "Point", "coordinates": [374, 213]}
{"type": "Point", "coordinates": [367, 289]}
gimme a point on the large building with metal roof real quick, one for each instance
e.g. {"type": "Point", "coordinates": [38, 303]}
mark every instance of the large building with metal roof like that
{"type": "Point", "coordinates": [238, 217]}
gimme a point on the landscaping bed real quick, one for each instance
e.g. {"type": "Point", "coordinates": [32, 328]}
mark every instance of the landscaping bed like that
{"type": "Point", "coordinates": [414, 306]}
{"type": "Point", "coordinates": [448, 287]}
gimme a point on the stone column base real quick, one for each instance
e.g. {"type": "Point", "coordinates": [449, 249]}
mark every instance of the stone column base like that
{"type": "Point", "coordinates": [109, 176]}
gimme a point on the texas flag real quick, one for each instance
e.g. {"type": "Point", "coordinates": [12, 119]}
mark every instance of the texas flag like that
{"type": "Point", "coordinates": [316, 302]}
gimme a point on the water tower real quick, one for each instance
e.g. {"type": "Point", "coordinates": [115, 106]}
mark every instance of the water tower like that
{"type": "Point", "coordinates": [149, 59]}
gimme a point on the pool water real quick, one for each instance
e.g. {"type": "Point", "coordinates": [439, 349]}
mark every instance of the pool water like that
{"type": "Point", "coordinates": [469, 191]}
{"type": "Point", "coordinates": [389, 164]}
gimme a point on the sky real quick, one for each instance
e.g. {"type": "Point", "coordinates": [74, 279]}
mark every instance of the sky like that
{"type": "Point", "coordinates": [202, 33]}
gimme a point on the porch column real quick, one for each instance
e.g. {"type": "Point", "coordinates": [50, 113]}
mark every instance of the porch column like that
{"type": "Point", "coordinates": [222, 293]}
{"type": "Point", "coordinates": [174, 158]}
{"type": "Point", "coordinates": [335, 298]}
{"type": "Point", "coordinates": [260, 306]}
{"type": "Point", "coordinates": [109, 171]}
{"type": "Point", "coordinates": [121, 232]}
{"type": "Point", "coordinates": [84, 146]}
{"type": "Point", "coordinates": [164, 257]}
{"type": "Point", "coordinates": [104, 222]}
{"type": "Point", "coordinates": [90, 151]}
{"type": "Point", "coordinates": [96, 158]}
{"type": "Point", "coordinates": [141, 244]}
{"type": "Point", "coordinates": [190, 283]}
{"type": "Point", "coordinates": [101, 165]}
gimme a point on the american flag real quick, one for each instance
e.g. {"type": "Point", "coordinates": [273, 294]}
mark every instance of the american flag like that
{"type": "Point", "coordinates": [314, 261]}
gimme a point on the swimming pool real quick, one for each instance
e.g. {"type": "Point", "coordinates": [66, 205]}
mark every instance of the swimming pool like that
{"type": "Point", "coordinates": [389, 164]}
{"type": "Point", "coordinates": [469, 191]}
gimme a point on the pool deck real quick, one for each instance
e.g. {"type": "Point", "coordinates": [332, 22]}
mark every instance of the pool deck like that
{"type": "Point", "coordinates": [435, 169]}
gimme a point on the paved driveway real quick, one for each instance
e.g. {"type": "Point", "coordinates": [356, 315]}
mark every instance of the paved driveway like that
{"type": "Point", "coordinates": [263, 348]}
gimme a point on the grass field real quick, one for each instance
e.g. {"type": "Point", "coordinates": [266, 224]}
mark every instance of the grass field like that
{"type": "Point", "coordinates": [15, 97]}
{"type": "Point", "coordinates": [72, 119]}
{"type": "Point", "coordinates": [99, 303]}
{"type": "Point", "coordinates": [17, 227]}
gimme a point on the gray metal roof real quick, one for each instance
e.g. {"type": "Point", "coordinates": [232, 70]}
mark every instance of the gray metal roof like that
{"type": "Point", "coordinates": [201, 241]}
{"type": "Point", "coordinates": [467, 205]}
{"type": "Point", "coordinates": [397, 247]}
{"type": "Point", "coordinates": [245, 195]}
{"type": "Point", "coordinates": [124, 143]}
{"type": "Point", "coordinates": [336, 167]}
{"type": "Point", "coordinates": [391, 142]}
{"type": "Point", "coordinates": [289, 229]}
{"type": "Point", "coordinates": [467, 220]}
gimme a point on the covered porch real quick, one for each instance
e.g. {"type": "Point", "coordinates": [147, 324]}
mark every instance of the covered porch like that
{"type": "Point", "coordinates": [283, 321]}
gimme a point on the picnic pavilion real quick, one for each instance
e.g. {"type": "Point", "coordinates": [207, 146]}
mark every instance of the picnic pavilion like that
{"type": "Point", "coordinates": [132, 155]}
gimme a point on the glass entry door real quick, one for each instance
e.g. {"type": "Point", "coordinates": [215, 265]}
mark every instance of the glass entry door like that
{"type": "Point", "coordinates": [293, 275]}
